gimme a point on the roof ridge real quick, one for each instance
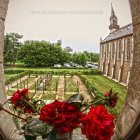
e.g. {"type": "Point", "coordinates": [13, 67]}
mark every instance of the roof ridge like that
{"type": "Point", "coordinates": [118, 33]}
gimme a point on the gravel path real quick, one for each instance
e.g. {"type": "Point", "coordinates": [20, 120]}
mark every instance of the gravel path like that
{"type": "Point", "coordinates": [60, 89]}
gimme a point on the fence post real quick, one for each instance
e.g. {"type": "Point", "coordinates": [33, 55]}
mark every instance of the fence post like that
{"type": "Point", "coordinates": [20, 82]}
{"type": "Point", "coordinates": [36, 74]}
{"type": "Point", "coordinates": [43, 87]}
{"type": "Point", "coordinates": [78, 86]}
{"type": "Point", "coordinates": [24, 83]}
{"type": "Point", "coordinates": [45, 84]}
{"type": "Point", "coordinates": [27, 83]}
{"type": "Point", "coordinates": [35, 87]}
{"type": "Point", "coordinates": [37, 83]}
{"type": "Point", "coordinates": [29, 73]}
{"type": "Point", "coordinates": [56, 87]}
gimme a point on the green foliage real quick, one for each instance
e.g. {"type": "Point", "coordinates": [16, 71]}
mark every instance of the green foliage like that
{"type": "Point", "coordinates": [42, 53]}
{"type": "Point", "coordinates": [16, 122]}
{"type": "Point", "coordinates": [55, 71]}
{"type": "Point", "coordinates": [68, 68]}
{"type": "Point", "coordinates": [79, 58]}
{"type": "Point", "coordinates": [93, 57]}
{"type": "Point", "coordinates": [8, 76]}
{"type": "Point", "coordinates": [11, 47]}
{"type": "Point", "coordinates": [11, 71]}
{"type": "Point", "coordinates": [14, 78]}
{"type": "Point", "coordinates": [37, 127]}
{"type": "Point", "coordinates": [99, 85]}
{"type": "Point", "coordinates": [68, 49]}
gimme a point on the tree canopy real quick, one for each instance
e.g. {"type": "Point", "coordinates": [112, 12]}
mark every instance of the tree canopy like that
{"type": "Point", "coordinates": [42, 53]}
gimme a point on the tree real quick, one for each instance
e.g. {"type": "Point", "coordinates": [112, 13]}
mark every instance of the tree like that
{"type": "Point", "coordinates": [41, 53]}
{"type": "Point", "coordinates": [59, 43]}
{"type": "Point", "coordinates": [68, 49]}
{"type": "Point", "coordinates": [94, 57]}
{"type": "Point", "coordinates": [79, 58]}
{"type": "Point", "coordinates": [11, 46]}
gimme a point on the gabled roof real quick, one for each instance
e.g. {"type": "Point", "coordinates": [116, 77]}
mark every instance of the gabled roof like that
{"type": "Point", "coordinates": [123, 31]}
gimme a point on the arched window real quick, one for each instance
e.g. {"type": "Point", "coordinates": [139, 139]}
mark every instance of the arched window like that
{"type": "Point", "coordinates": [120, 49]}
{"type": "Point", "coordinates": [128, 49]}
{"type": "Point", "coordinates": [113, 50]}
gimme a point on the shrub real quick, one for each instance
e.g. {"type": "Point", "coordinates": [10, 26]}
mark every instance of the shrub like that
{"type": "Point", "coordinates": [14, 78]}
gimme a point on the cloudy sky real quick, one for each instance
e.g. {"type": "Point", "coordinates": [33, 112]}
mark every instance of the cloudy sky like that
{"type": "Point", "coordinates": [78, 23]}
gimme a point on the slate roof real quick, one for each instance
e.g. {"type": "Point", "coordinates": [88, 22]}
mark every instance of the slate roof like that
{"type": "Point", "coordinates": [123, 31]}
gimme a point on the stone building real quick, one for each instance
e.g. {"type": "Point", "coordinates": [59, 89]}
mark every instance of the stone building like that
{"type": "Point", "coordinates": [116, 51]}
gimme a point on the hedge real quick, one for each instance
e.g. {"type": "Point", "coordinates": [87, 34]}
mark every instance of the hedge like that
{"type": "Point", "coordinates": [61, 71]}
{"type": "Point", "coordinates": [90, 86]}
{"type": "Point", "coordinates": [13, 71]}
{"type": "Point", "coordinates": [14, 78]}
{"type": "Point", "coordinates": [68, 68]}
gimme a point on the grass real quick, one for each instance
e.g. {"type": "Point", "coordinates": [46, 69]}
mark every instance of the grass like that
{"type": "Point", "coordinates": [67, 96]}
{"type": "Point", "coordinates": [52, 85]}
{"type": "Point", "coordinates": [45, 69]}
{"type": "Point", "coordinates": [32, 87]}
{"type": "Point", "coordinates": [8, 76]}
{"type": "Point", "coordinates": [70, 85]}
{"type": "Point", "coordinates": [21, 85]}
{"type": "Point", "coordinates": [104, 84]}
{"type": "Point", "coordinates": [48, 97]}
{"type": "Point", "coordinates": [10, 92]}
{"type": "Point", "coordinates": [19, 63]}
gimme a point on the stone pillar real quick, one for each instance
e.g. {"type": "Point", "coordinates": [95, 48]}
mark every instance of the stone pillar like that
{"type": "Point", "coordinates": [6, 122]}
{"type": "Point", "coordinates": [131, 110]}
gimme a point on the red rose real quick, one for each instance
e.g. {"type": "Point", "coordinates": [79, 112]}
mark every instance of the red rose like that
{"type": "Point", "coordinates": [62, 115]}
{"type": "Point", "coordinates": [19, 95]}
{"type": "Point", "coordinates": [111, 99]}
{"type": "Point", "coordinates": [98, 124]}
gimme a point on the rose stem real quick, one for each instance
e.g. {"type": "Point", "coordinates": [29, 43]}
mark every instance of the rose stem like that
{"type": "Point", "coordinates": [12, 113]}
{"type": "Point", "coordinates": [32, 107]}
{"type": "Point", "coordinates": [94, 103]}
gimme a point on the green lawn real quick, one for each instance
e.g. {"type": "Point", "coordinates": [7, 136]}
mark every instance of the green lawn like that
{"type": "Point", "coordinates": [67, 96]}
{"type": "Point", "coordinates": [8, 76]}
{"type": "Point", "coordinates": [19, 63]}
{"type": "Point", "coordinates": [104, 84]}
{"type": "Point", "coordinates": [52, 85]}
{"type": "Point", "coordinates": [70, 85]}
{"type": "Point", "coordinates": [21, 85]}
{"type": "Point", "coordinates": [45, 69]}
{"type": "Point", "coordinates": [48, 97]}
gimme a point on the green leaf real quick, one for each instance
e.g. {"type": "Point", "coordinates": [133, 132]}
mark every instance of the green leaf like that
{"type": "Point", "coordinates": [37, 127]}
{"type": "Point", "coordinates": [76, 99]}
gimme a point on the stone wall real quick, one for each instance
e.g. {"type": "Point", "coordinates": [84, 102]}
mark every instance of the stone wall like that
{"type": "Point", "coordinates": [126, 68]}
{"type": "Point", "coordinates": [6, 122]}
{"type": "Point", "coordinates": [131, 111]}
